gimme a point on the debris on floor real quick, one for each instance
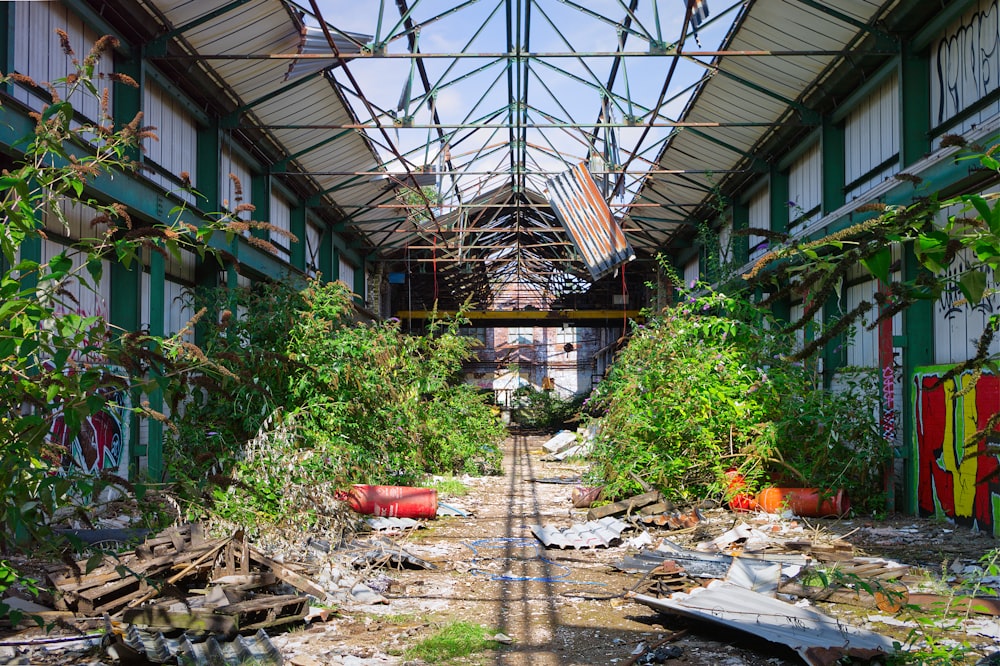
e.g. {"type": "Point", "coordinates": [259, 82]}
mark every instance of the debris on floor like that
{"type": "Point", "coordinates": [819, 639]}
{"type": "Point", "coordinates": [592, 534]}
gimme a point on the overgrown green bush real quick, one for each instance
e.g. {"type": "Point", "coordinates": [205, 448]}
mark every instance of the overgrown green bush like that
{"type": "Point", "coordinates": [345, 403]}
{"type": "Point", "coordinates": [543, 410]}
{"type": "Point", "coordinates": [706, 388]}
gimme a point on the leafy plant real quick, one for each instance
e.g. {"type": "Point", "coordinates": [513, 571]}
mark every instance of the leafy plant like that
{"type": "Point", "coordinates": [63, 367]}
{"type": "Point", "coordinates": [705, 389]}
{"type": "Point", "coordinates": [543, 410]}
{"type": "Point", "coordinates": [323, 403]}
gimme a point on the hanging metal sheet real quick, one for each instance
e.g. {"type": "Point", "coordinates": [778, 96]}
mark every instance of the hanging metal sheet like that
{"type": "Point", "coordinates": [587, 218]}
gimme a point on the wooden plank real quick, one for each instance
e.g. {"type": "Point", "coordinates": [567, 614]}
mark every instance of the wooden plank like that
{"type": "Point", "coordinates": [298, 581]}
{"type": "Point", "coordinates": [198, 619]}
{"type": "Point", "coordinates": [246, 580]}
{"type": "Point", "coordinates": [659, 507]}
{"type": "Point", "coordinates": [625, 505]}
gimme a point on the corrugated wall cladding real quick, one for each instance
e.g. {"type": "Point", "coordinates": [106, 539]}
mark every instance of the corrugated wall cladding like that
{"type": "Point", "coordinates": [965, 67]}
{"type": "Point", "coordinates": [312, 240]}
{"type": "Point", "coordinates": [582, 210]}
{"type": "Point", "coordinates": [265, 27]}
{"type": "Point", "coordinates": [871, 137]}
{"type": "Point", "coordinates": [281, 217]}
{"type": "Point", "coordinates": [805, 188]}
{"type": "Point", "coordinates": [178, 149]}
{"type": "Point", "coordinates": [37, 52]}
{"type": "Point", "coordinates": [760, 218]}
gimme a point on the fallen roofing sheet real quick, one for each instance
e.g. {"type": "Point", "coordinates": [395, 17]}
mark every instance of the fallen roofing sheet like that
{"type": "Point", "coordinates": [699, 564]}
{"type": "Point", "coordinates": [594, 534]}
{"type": "Point", "coordinates": [213, 649]}
{"type": "Point", "coordinates": [819, 639]}
{"type": "Point", "coordinates": [560, 441]}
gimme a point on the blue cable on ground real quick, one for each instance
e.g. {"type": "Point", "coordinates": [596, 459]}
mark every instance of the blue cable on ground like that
{"type": "Point", "coordinates": [517, 542]}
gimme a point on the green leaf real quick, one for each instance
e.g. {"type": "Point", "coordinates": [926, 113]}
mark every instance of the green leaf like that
{"type": "Point", "coordinates": [96, 268]}
{"type": "Point", "coordinates": [981, 206]}
{"type": "Point", "coordinates": [973, 284]}
{"type": "Point", "coordinates": [59, 265]}
{"type": "Point", "coordinates": [879, 263]}
{"type": "Point", "coordinates": [94, 562]}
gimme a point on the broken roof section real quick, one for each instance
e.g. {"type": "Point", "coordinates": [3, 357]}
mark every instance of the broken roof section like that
{"type": "Point", "coordinates": [493, 98]}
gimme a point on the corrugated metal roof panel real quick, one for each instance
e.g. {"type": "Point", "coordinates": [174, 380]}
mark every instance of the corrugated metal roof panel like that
{"type": "Point", "coordinates": [734, 99]}
{"type": "Point", "coordinates": [587, 218]}
{"type": "Point", "coordinates": [593, 534]}
{"type": "Point", "coordinates": [802, 629]}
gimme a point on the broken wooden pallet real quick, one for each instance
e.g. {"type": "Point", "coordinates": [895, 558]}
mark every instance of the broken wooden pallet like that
{"type": "Point", "coordinates": [257, 613]}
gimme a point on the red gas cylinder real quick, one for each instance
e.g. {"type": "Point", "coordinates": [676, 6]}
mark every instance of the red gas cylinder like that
{"type": "Point", "coordinates": [738, 500]}
{"type": "Point", "coordinates": [808, 502]}
{"type": "Point", "coordinates": [394, 501]}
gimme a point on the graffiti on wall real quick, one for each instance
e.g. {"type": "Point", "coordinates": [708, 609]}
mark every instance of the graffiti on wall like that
{"type": "Point", "coordinates": [101, 444]}
{"type": "Point", "coordinates": [966, 62]}
{"type": "Point", "coordinates": [954, 477]}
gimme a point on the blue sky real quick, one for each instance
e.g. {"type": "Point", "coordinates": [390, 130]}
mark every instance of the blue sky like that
{"type": "Point", "coordinates": [572, 95]}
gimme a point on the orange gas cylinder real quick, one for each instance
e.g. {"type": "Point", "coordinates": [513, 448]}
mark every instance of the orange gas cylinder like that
{"type": "Point", "coordinates": [808, 502]}
{"type": "Point", "coordinates": [394, 501]}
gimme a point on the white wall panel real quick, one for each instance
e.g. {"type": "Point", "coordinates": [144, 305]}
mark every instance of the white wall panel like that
{"type": "Point", "coordinates": [957, 323]}
{"type": "Point", "coordinates": [179, 310]}
{"type": "Point", "coordinates": [965, 67]}
{"type": "Point", "coordinates": [313, 238]}
{"type": "Point", "coordinates": [234, 193]}
{"type": "Point", "coordinates": [691, 272]}
{"type": "Point", "coordinates": [177, 130]}
{"type": "Point", "coordinates": [38, 54]}
{"type": "Point", "coordinates": [805, 188]}
{"type": "Point", "coordinates": [281, 217]}
{"type": "Point", "coordinates": [84, 298]}
{"type": "Point", "coordinates": [871, 135]}
{"type": "Point", "coordinates": [347, 273]}
{"type": "Point", "coordinates": [760, 218]}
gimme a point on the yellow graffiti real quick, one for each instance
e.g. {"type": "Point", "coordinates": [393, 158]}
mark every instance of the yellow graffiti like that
{"type": "Point", "coordinates": [954, 461]}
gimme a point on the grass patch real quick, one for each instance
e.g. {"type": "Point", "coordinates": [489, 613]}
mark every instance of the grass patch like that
{"type": "Point", "coordinates": [458, 639]}
{"type": "Point", "coordinates": [448, 485]}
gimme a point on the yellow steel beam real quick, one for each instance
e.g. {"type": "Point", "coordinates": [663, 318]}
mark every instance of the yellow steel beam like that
{"type": "Point", "coordinates": [552, 315]}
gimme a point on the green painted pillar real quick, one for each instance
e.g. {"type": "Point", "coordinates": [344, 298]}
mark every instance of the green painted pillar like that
{"type": "Point", "coordinates": [914, 107]}
{"type": "Point", "coordinates": [329, 257]}
{"type": "Point", "coordinates": [297, 250]}
{"type": "Point", "coordinates": [741, 242]}
{"type": "Point", "coordinates": [358, 285]}
{"type": "Point", "coordinates": [157, 317]}
{"type": "Point", "coordinates": [835, 350]}
{"type": "Point", "coordinates": [918, 349]}
{"type": "Point", "coordinates": [834, 162]}
{"type": "Point", "coordinates": [206, 181]}
{"type": "Point", "coordinates": [7, 37]}
{"type": "Point", "coordinates": [779, 199]}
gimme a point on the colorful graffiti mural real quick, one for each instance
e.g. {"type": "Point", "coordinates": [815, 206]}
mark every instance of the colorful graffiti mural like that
{"type": "Point", "coordinates": [101, 445]}
{"type": "Point", "coordinates": [954, 476]}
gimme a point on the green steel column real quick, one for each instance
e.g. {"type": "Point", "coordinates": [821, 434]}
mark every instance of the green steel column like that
{"type": "Point", "coordinates": [329, 257]}
{"type": "Point", "coordinates": [740, 242]}
{"type": "Point", "coordinates": [834, 165]}
{"type": "Point", "coordinates": [7, 37]}
{"type": "Point", "coordinates": [779, 199]}
{"type": "Point", "coordinates": [918, 349]}
{"type": "Point", "coordinates": [157, 316]}
{"type": "Point", "coordinates": [358, 285]}
{"type": "Point", "coordinates": [915, 105]}
{"type": "Point", "coordinates": [207, 183]}
{"type": "Point", "coordinates": [298, 227]}
{"type": "Point", "coordinates": [835, 351]}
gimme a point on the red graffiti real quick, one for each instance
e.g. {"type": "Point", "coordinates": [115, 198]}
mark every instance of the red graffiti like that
{"type": "Point", "coordinates": [955, 477]}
